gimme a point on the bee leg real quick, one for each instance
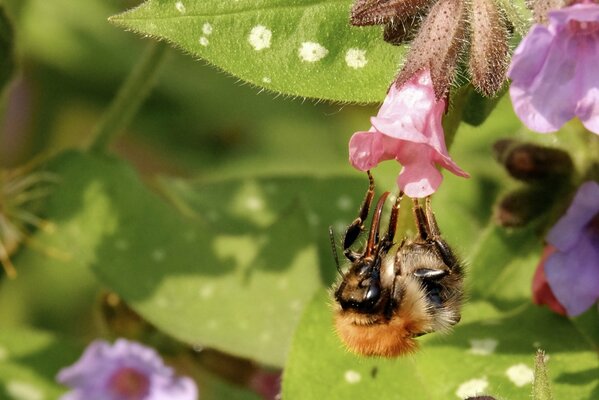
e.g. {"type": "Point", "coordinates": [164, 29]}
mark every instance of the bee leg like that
{"type": "Point", "coordinates": [357, 226]}
{"type": "Point", "coordinates": [435, 235]}
{"type": "Point", "coordinates": [424, 231]}
{"type": "Point", "coordinates": [373, 236]}
{"type": "Point", "coordinates": [393, 221]}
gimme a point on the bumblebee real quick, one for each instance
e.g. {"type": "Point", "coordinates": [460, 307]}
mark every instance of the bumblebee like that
{"type": "Point", "coordinates": [394, 292]}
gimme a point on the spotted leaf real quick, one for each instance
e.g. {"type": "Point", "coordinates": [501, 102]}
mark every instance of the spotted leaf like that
{"type": "Point", "coordinates": [297, 47]}
{"type": "Point", "coordinates": [231, 268]}
{"type": "Point", "coordinates": [495, 353]}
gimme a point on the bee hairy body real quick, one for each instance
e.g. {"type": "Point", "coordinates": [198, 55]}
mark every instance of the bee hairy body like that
{"type": "Point", "coordinates": [395, 292]}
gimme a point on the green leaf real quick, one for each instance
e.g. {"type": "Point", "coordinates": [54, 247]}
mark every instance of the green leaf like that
{"type": "Point", "coordinates": [29, 362]}
{"type": "Point", "coordinates": [234, 274]}
{"type": "Point", "coordinates": [297, 47]}
{"type": "Point", "coordinates": [7, 61]}
{"type": "Point", "coordinates": [503, 264]}
{"type": "Point", "coordinates": [488, 350]}
{"type": "Point", "coordinates": [477, 107]}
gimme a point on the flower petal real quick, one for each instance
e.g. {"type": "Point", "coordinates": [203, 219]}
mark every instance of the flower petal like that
{"type": "Point", "coordinates": [573, 275]}
{"type": "Point", "coordinates": [588, 12]}
{"type": "Point", "coordinates": [418, 177]}
{"type": "Point", "coordinates": [541, 291]}
{"type": "Point", "coordinates": [549, 101]}
{"type": "Point", "coordinates": [366, 150]}
{"type": "Point", "coordinates": [567, 232]}
{"type": "Point", "coordinates": [530, 55]}
{"type": "Point", "coordinates": [587, 108]}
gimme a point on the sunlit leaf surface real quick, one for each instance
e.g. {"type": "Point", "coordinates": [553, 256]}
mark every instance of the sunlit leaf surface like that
{"type": "Point", "coordinates": [488, 353]}
{"type": "Point", "coordinates": [297, 47]}
{"type": "Point", "coordinates": [232, 271]}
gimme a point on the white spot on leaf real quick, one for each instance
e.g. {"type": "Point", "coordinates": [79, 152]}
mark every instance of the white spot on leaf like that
{"type": "Point", "coordinates": [162, 302]}
{"type": "Point", "coordinates": [266, 79]}
{"type": "Point", "coordinates": [344, 203]}
{"type": "Point", "coordinates": [180, 7]}
{"type": "Point", "coordinates": [260, 37]}
{"type": "Point", "coordinates": [254, 203]}
{"type": "Point", "coordinates": [265, 336]}
{"type": "Point", "coordinates": [121, 244]}
{"type": "Point", "coordinates": [204, 41]}
{"type": "Point", "coordinates": [207, 29]}
{"type": "Point", "coordinates": [352, 376]}
{"type": "Point", "coordinates": [158, 255]}
{"type": "Point", "coordinates": [312, 52]}
{"type": "Point", "coordinates": [295, 305]}
{"type": "Point", "coordinates": [206, 292]}
{"type": "Point", "coordinates": [483, 347]}
{"type": "Point", "coordinates": [356, 58]}
{"type": "Point", "coordinates": [23, 391]}
{"type": "Point", "coordinates": [520, 374]}
{"type": "Point", "coordinates": [472, 388]}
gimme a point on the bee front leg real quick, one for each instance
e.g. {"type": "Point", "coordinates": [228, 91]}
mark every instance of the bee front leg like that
{"type": "Point", "coordinates": [435, 236]}
{"type": "Point", "coordinates": [424, 230]}
{"type": "Point", "coordinates": [357, 226]}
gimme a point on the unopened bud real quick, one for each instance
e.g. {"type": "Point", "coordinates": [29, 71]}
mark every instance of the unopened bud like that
{"type": "Point", "coordinates": [489, 47]}
{"type": "Point", "coordinates": [481, 398]}
{"type": "Point", "coordinates": [519, 207]}
{"type": "Point", "coordinates": [378, 12]}
{"type": "Point", "coordinates": [530, 162]}
{"type": "Point", "coordinates": [540, 8]}
{"type": "Point", "coordinates": [402, 31]}
{"type": "Point", "coordinates": [438, 45]}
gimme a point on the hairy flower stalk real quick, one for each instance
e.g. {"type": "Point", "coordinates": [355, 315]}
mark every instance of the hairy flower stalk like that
{"type": "Point", "coordinates": [446, 27]}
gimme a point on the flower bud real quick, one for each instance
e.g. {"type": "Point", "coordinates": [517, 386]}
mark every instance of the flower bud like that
{"type": "Point", "coordinates": [438, 45]}
{"type": "Point", "coordinates": [488, 47]}
{"type": "Point", "coordinates": [518, 208]}
{"type": "Point", "coordinates": [481, 398]}
{"type": "Point", "coordinates": [530, 162]}
{"type": "Point", "coordinates": [375, 12]}
{"type": "Point", "coordinates": [540, 8]}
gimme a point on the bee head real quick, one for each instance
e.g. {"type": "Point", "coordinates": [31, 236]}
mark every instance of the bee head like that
{"type": "Point", "coordinates": [360, 290]}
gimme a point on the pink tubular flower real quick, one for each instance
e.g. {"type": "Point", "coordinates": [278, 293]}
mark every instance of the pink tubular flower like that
{"type": "Point", "coordinates": [554, 71]}
{"type": "Point", "coordinates": [572, 270]}
{"type": "Point", "coordinates": [124, 371]}
{"type": "Point", "coordinates": [407, 129]}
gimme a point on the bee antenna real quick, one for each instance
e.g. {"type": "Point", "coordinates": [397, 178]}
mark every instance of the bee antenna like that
{"type": "Point", "coordinates": [334, 248]}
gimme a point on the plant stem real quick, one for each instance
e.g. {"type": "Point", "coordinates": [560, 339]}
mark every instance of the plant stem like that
{"type": "Point", "coordinates": [130, 96]}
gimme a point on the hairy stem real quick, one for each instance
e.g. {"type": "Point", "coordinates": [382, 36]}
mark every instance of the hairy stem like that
{"type": "Point", "coordinates": [130, 96]}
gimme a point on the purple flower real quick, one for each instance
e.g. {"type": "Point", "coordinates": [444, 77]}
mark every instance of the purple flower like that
{"type": "Point", "coordinates": [572, 271]}
{"type": "Point", "coordinates": [554, 71]}
{"type": "Point", "coordinates": [124, 371]}
{"type": "Point", "coordinates": [408, 129]}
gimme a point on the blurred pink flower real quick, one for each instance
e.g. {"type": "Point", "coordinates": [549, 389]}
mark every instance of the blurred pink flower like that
{"type": "Point", "coordinates": [572, 270]}
{"type": "Point", "coordinates": [541, 291]}
{"type": "Point", "coordinates": [407, 129]}
{"type": "Point", "coordinates": [554, 70]}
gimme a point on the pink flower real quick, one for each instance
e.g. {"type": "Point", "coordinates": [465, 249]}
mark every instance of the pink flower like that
{"type": "Point", "coordinates": [407, 129]}
{"type": "Point", "coordinates": [572, 270]}
{"type": "Point", "coordinates": [554, 71]}
{"type": "Point", "coordinates": [541, 291]}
